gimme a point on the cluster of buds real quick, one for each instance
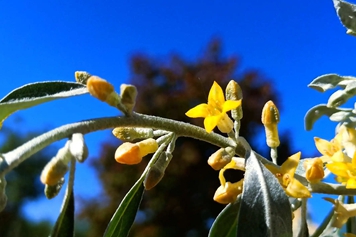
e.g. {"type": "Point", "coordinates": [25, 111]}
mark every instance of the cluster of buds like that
{"type": "Point", "coordinates": [53, 173]}
{"type": "Point", "coordinates": [105, 91]}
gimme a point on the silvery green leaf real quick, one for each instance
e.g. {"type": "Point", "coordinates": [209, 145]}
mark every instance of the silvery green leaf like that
{"type": "Point", "coordinates": [341, 96]}
{"type": "Point", "coordinates": [37, 93]}
{"type": "Point", "coordinates": [340, 116]}
{"type": "Point", "coordinates": [315, 113]}
{"type": "Point", "coordinates": [64, 226]}
{"type": "Point", "coordinates": [330, 81]}
{"type": "Point", "coordinates": [264, 207]}
{"type": "Point", "coordinates": [347, 14]}
{"type": "Point", "coordinates": [124, 216]}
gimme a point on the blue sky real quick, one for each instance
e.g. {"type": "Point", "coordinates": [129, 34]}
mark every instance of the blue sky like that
{"type": "Point", "coordinates": [290, 42]}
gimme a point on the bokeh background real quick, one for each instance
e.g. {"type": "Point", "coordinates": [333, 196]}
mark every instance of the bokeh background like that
{"type": "Point", "coordinates": [172, 50]}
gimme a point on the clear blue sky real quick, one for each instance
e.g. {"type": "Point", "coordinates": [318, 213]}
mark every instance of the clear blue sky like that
{"type": "Point", "coordinates": [291, 42]}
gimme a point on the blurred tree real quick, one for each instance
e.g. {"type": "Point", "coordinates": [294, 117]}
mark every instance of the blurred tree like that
{"type": "Point", "coordinates": [182, 203]}
{"type": "Point", "coordinates": [23, 185]}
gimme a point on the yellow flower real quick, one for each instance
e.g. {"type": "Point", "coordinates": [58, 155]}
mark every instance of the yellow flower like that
{"type": "Point", "coordinates": [345, 172]}
{"type": "Point", "coordinates": [228, 192]}
{"type": "Point", "coordinates": [285, 176]}
{"type": "Point", "coordinates": [329, 149]}
{"type": "Point", "coordinates": [342, 212]}
{"type": "Point", "coordinates": [215, 111]}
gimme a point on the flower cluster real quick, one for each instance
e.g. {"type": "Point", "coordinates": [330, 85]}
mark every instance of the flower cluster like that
{"type": "Point", "coordinates": [340, 155]}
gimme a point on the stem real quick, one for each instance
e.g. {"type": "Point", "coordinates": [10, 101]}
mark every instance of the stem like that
{"type": "Point", "coordinates": [10, 160]}
{"type": "Point", "coordinates": [303, 230]}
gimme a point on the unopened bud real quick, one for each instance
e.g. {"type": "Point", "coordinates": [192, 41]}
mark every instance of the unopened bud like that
{"type": "Point", "coordinates": [54, 171]}
{"type": "Point", "coordinates": [57, 167]}
{"type": "Point", "coordinates": [314, 170]}
{"type": "Point", "coordinates": [103, 90]}
{"type": "Point", "coordinates": [82, 77]}
{"type": "Point", "coordinates": [132, 153]}
{"type": "Point", "coordinates": [78, 148]}
{"type": "Point", "coordinates": [270, 119]}
{"type": "Point", "coordinates": [157, 171]}
{"type": "Point", "coordinates": [132, 133]}
{"type": "Point", "coordinates": [221, 157]}
{"type": "Point", "coordinates": [52, 191]}
{"type": "Point", "coordinates": [233, 92]}
{"type": "Point", "coordinates": [128, 95]}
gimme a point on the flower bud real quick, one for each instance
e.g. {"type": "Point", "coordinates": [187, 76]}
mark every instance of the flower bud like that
{"type": "Point", "coordinates": [54, 171]}
{"type": "Point", "coordinates": [132, 133]}
{"type": "Point", "coordinates": [314, 170]}
{"type": "Point", "coordinates": [132, 153]}
{"type": "Point", "coordinates": [57, 167]}
{"type": "Point", "coordinates": [128, 95]}
{"type": "Point", "coordinates": [225, 124]}
{"type": "Point", "coordinates": [157, 171]}
{"type": "Point", "coordinates": [52, 191]}
{"type": "Point", "coordinates": [103, 90]}
{"type": "Point", "coordinates": [78, 148]}
{"type": "Point", "coordinates": [228, 193]}
{"type": "Point", "coordinates": [270, 119]}
{"type": "Point", "coordinates": [3, 197]}
{"type": "Point", "coordinates": [82, 77]}
{"type": "Point", "coordinates": [221, 157]}
{"type": "Point", "coordinates": [233, 92]}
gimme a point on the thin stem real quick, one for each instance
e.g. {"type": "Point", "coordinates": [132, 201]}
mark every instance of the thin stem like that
{"type": "Point", "coordinates": [303, 230]}
{"type": "Point", "coordinates": [13, 158]}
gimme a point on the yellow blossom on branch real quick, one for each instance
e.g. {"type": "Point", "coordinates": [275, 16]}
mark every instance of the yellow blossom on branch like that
{"type": "Point", "coordinates": [345, 172]}
{"type": "Point", "coordinates": [228, 192]}
{"type": "Point", "coordinates": [285, 176]}
{"type": "Point", "coordinates": [215, 111]}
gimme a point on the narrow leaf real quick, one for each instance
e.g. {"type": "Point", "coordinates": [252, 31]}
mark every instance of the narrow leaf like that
{"type": "Point", "coordinates": [347, 14]}
{"type": "Point", "coordinates": [64, 226]}
{"type": "Point", "coordinates": [330, 81]}
{"type": "Point", "coordinates": [122, 220]}
{"type": "Point", "coordinates": [225, 224]}
{"type": "Point", "coordinates": [264, 206]}
{"type": "Point", "coordinates": [315, 113]}
{"type": "Point", "coordinates": [37, 93]}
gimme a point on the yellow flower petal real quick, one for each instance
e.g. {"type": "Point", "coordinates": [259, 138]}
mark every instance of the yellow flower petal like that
{"type": "Point", "coordinates": [216, 96]}
{"type": "Point", "coordinates": [339, 156]}
{"type": "Point", "coordinates": [325, 147]}
{"type": "Point", "coordinates": [290, 165]}
{"type": "Point", "coordinates": [297, 190]}
{"type": "Point", "coordinates": [230, 104]}
{"type": "Point", "coordinates": [351, 183]}
{"type": "Point", "coordinates": [338, 168]}
{"type": "Point", "coordinates": [199, 111]}
{"type": "Point", "coordinates": [211, 122]}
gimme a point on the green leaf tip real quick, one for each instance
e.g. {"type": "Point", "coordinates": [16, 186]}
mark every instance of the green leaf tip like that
{"type": "Point", "coordinates": [37, 93]}
{"type": "Point", "coordinates": [124, 216]}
